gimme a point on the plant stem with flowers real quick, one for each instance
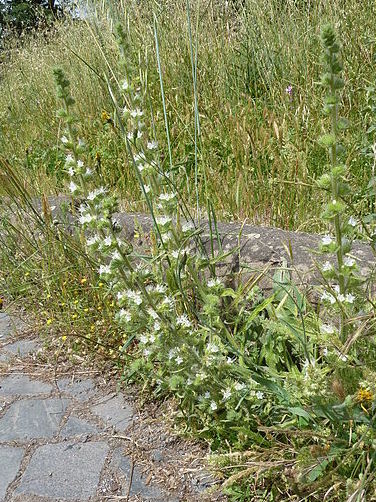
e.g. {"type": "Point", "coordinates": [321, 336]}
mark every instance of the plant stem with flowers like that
{"type": "Point", "coordinates": [336, 183]}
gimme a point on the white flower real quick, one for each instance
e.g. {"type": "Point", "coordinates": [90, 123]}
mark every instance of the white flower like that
{"type": "Point", "coordinates": [187, 227]}
{"type": "Point", "coordinates": [73, 187]}
{"type": "Point", "coordinates": [116, 255]}
{"type": "Point", "coordinates": [125, 85]}
{"type": "Point", "coordinates": [207, 395]}
{"type": "Point", "coordinates": [213, 406]}
{"type": "Point", "coordinates": [259, 394]}
{"type": "Point", "coordinates": [183, 321]}
{"type": "Point", "coordinates": [134, 297]}
{"type": "Point", "coordinates": [157, 326]}
{"type": "Point", "coordinates": [139, 134]}
{"type": "Point", "coordinates": [137, 113]}
{"type": "Point", "coordinates": [152, 338]}
{"type": "Point", "coordinates": [92, 240]}
{"type": "Point", "coordinates": [64, 140]}
{"type": "Point", "coordinates": [325, 351]}
{"type": "Point", "coordinates": [107, 241]}
{"type": "Point", "coordinates": [147, 188]}
{"type": "Point", "coordinates": [352, 221]}
{"type": "Point", "coordinates": [178, 360]}
{"type": "Point", "coordinates": [152, 313]}
{"type": "Point", "coordinates": [163, 220]}
{"type": "Point", "coordinates": [175, 254]}
{"type": "Point", "coordinates": [212, 348]}
{"type": "Point", "coordinates": [326, 240]}
{"type": "Point", "coordinates": [166, 196]}
{"type": "Point", "coordinates": [212, 283]}
{"type": "Point", "coordinates": [171, 354]}
{"type": "Point", "coordinates": [71, 171]}
{"type": "Point", "coordinates": [121, 295]}
{"type": "Point", "coordinates": [91, 195]}
{"type": "Point", "coordinates": [169, 302]}
{"type": "Point", "coordinates": [101, 190]}
{"type": "Point", "coordinates": [86, 218]}
{"type": "Point", "coordinates": [327, 266]}
{"type": "Point", "coordinates": [130, 136]}
{"type": "Point", "coordinates": [343, 357]}
{"type": "Point", "coordinates": [69, 158]}
{"type": "Point", "coordinates": [349, 262]}
{"type": "Point", "coordinates": [349, 298]}
{"type": "Point", "coordinates": [160, 288]}
{"type": "Point", "coordinates": [327, 329]}
{"type": "Point", "coordinates": [144, 339]}
{"type": "Point", "coordinates": [88, 172]}
{"type": "Point", "coordinates": [124, 314]}
{"type": "Point", "coordinates": [167, 236]}
{"type": "Point", "coordinates": [147, 352]}
{"type": "Point", "coordinates": [80, 163]}
{"type": "Point", "coordinates": [81, 142]}
{"type": "Point", "coordinates": [329, 297]}
{"type": "Point", "coordinates": [152, 145]}
{"type": "Point", "coordinates": [239, 386]}
{"type": "Point", "coordinates": [104, 269]}
{"type": "Point", "coordinates": [226, 393]}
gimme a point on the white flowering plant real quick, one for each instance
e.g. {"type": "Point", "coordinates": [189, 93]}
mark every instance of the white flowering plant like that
{"type": "Point", "coordinates": [270, 375]}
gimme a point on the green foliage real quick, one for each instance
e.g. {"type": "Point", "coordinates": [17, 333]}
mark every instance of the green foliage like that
{"type": "Point", "coordinates": [258, 103]}
{"type": "Point", "coordinates": [26, 15]}
{"type": "Point", "coordinates": [283, 392]}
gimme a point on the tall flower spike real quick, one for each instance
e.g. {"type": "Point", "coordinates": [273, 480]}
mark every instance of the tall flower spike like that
{"type": "Point", "coordinates": [335, 182]}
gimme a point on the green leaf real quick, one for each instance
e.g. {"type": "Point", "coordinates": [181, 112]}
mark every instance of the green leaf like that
{"type": "Point", "coordinates": [228, 292]}
{"type": "Point", "coordinates": [317, 471]}
{"type": "Point", "coordinates": [300, 412]}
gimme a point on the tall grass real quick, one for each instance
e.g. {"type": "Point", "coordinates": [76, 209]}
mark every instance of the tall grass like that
{"type": "Point", "coordinates": [256, 145]}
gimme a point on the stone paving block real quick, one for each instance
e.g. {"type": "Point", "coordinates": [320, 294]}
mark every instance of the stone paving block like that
{"type": "Point", "coordinates": [114, 411]}
{"type": "Point", "coordinates": [148, 492]}
{"type": "Point", "coordinates": [9, 325]}
{"type": "Point", "coordinates": [5, 326]}
{"type": "Point", "coordinates": [32, 418]}
{"type": "Point", "coordinates": [64, 471]}
{"type": "Point", "coordinates": [80, 389]}
{"type": "Point", "coordinates": [22, 347]}
{"type": "Point", "coordinates": [10, 460]}
{"type": "Point", "coordinates": [20, 385]}
{"type": "Point", "coordinates": [76, 426]}
{"type": "Point", "coordinates": [5, 357]}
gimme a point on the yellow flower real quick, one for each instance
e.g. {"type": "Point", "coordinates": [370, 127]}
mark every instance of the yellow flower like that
{"type": "Point", "coordinates": [101, 284]}
{"type": "Point", "coordinates": [99, 308]}
{"type": "Point", "coordinates": [86, 310]}
{"type": "Point", "coordinates": [64, 338]}
{"type": "Point", "coordinates": [74, 316]}
{"type": "Point", "coordinates": [75, 302]}
{"type": "Point", "coordinates": [92, 327]}
{"type": "Point", "coordinates": [364, 396]}
{"type": "Point", "coordinates": [105, 116]}
{"type": "Point", "coordinates": [83, 280]}
{"type": "Point", "coordinates": [48, 322]}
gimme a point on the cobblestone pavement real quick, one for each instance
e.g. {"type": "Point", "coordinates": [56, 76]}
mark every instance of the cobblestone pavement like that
{"type": "Point", "coordinates": [62, 437]}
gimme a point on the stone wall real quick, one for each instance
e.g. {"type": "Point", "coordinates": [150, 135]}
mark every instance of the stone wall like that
{"type": "Point", "coordinates": [258, 248]}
